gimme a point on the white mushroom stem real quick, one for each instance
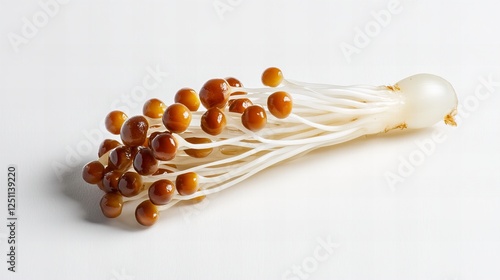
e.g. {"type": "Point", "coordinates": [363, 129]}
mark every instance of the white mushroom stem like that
{"type": "Point", "coordinates": [322, 115]}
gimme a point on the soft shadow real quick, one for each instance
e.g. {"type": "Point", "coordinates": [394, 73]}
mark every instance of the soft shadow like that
{"type": "Point", "coordinates": [88, 196]}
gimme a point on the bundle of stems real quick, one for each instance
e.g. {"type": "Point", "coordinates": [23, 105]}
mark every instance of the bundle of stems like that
{"type": "Point", "coordinates": [184, 153]}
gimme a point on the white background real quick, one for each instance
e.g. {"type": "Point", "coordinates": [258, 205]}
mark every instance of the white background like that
{"type": "Point", "coordinates": [441, 222]}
